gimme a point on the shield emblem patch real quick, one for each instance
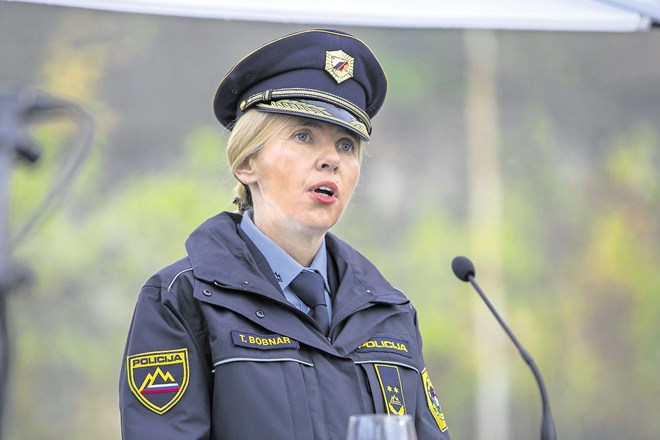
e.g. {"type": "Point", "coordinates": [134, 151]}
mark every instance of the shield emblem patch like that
{"type": "Point", "coordinates": [159, 378]}
{"type": "Point", "coordinates": [433, 402]}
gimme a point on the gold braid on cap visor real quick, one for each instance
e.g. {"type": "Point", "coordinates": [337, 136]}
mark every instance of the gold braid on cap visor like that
{"type": "Point", "coordinates": [302, 108]}
{"type": "Point", "coordinates": [362, 123]}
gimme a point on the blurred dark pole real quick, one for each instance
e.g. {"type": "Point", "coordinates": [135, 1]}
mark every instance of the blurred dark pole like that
{"type": "Point", "coordinates": [13, 144]}
{"type": "Point", "coordinates": [19, 106]}
{"type": "Point", "coordinates": [10, 123]}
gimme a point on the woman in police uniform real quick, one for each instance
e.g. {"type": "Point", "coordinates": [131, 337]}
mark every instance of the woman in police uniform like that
{"type": "Point", "coordinates": [272, 327]}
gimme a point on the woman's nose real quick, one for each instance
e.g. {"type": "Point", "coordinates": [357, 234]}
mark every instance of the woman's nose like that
{"type": "Point", "coordinates": [329, 157]}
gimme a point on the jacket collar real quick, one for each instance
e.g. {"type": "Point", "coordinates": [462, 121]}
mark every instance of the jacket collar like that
{"type": "Point", "coordinates": [220, 255]}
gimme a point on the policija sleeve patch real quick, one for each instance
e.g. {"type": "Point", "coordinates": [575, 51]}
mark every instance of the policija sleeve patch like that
{"type": "Point", "coordinates": [433, 402]}
{"type": "Point", "coordinates": [158, 378]}
{"type": "Point", "coordinates": [386, 345]}
{"type": "Point", "coordinates": [390, 385]}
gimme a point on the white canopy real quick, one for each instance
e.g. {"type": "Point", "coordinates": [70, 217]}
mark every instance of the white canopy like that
{"type": "Point", "coordinates": [556, 15]}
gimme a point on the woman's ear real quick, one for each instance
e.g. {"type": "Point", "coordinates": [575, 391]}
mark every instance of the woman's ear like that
{"type": "Point", "coordinates": [246, 172]}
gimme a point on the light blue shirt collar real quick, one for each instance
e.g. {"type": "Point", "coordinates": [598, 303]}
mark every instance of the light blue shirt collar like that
{"type": "Point", "coordinates": [284, 267]}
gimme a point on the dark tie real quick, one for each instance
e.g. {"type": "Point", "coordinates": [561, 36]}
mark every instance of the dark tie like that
{"type": "Point", "coordinates": [309, 287]}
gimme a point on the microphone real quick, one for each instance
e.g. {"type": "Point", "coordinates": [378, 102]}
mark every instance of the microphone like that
{"type": "Point", "coordinates": [464, 270]}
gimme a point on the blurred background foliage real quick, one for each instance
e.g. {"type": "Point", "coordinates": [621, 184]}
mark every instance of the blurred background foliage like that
{"type": "Point", "coordinates": [579, 242]}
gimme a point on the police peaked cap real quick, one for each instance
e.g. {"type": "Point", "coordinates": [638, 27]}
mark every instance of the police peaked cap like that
{"type": "Point", "coordinates": [320, 74]}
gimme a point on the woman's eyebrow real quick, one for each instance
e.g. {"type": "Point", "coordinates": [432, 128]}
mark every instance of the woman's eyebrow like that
{"type": "Point", "coordinates": [309, 123]}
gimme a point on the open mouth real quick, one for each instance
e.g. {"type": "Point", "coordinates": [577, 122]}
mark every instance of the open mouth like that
{"type": "Point", "coordinates": [325, 191]}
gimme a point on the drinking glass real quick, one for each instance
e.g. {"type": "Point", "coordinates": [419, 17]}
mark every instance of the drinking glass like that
{"type": "Point", "coordinates": [381, 427]}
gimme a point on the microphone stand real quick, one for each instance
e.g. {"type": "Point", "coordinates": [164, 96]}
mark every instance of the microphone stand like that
{"type": "Point", "coordinates": [547, 424]}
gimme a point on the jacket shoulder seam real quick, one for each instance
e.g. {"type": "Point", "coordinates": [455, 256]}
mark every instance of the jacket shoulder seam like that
{"type": "Point", "coordinates": [169, 287]}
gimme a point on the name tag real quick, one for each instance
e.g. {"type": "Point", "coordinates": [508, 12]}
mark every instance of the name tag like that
{"type": "Point", "coordinates": [262, 342]}
{"type": "Point", "coordinates": [387, 345]}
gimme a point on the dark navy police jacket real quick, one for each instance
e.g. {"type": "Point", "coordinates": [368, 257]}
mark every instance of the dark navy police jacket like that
{"type": "Point", "coordinates": [215, 351]}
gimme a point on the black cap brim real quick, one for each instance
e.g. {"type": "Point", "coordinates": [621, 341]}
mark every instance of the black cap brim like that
{"type": "Point", "coordinates": [318, 110]}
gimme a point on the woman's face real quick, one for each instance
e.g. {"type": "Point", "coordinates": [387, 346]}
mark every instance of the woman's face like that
{"type": "Point", "coordinates": [302, 179]}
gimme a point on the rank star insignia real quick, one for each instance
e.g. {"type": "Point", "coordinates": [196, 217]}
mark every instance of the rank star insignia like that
{"type": "Point", "coordinates": [390, 383]}
{"type": "Point", "coordinates": [339, 65]}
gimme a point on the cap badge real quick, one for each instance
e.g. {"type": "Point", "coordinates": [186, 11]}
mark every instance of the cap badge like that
{"type": "Point", "coordinates": [339, 65]}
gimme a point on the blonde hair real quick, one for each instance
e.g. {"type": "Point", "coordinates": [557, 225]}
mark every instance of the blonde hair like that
{"type": "Point", "coordinates": [252, 130]}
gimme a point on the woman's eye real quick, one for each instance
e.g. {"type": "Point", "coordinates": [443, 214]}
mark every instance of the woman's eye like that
{"type": "Point", "coordinates": [346, 147]}
{"type": "Point", "coordinates": [302, 136]}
